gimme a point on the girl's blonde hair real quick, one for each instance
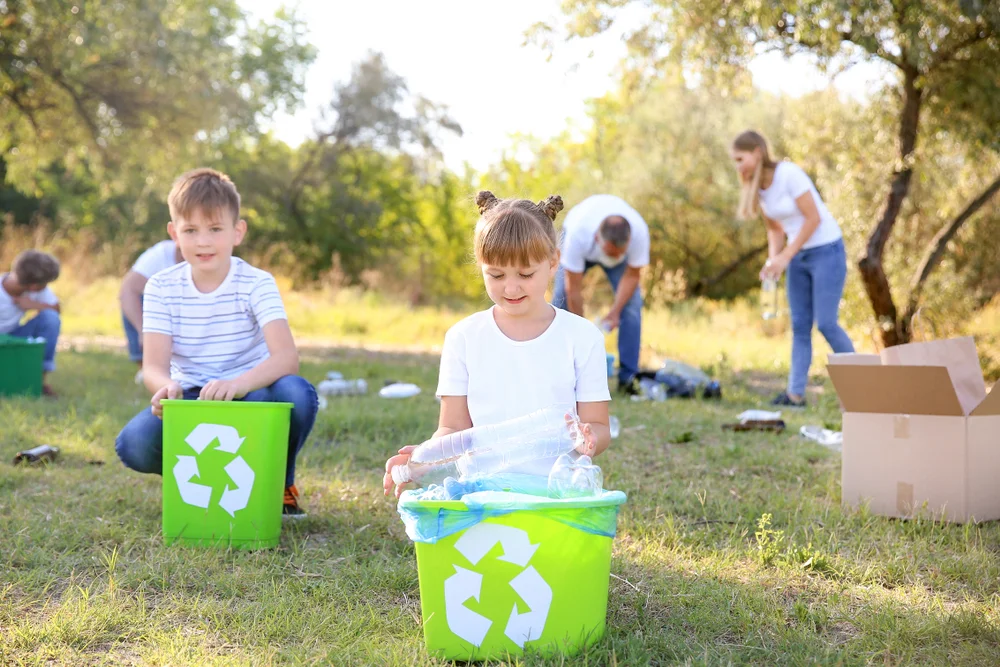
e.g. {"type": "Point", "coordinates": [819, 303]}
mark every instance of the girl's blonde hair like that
{"type": "Point", "coordinates": [515, 232]}
{"type": "Point", "coordinates": [750, 190]}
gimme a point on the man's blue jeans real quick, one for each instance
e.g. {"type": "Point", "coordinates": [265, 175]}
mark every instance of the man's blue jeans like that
{"type": "Point", "coordinates": [630, 328]}
{"type": "Point", "coordinates": [45, 324]}
{"type": "Point", "coordinates": [140, 443]}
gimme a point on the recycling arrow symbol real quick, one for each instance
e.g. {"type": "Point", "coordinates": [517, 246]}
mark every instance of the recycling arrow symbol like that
{"type": "Point", "coordinates": [242, 475]}
{"type": "Point", "coordinates": [474, 544]}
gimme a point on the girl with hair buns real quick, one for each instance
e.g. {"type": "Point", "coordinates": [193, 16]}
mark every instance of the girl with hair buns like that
{"type": "Point", "coordinates": [804, 239]}
{"type": "Point", "coordinates": [522, 354]}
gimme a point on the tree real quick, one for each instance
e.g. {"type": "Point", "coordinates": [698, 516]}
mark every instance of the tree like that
{"type": "Point", "coordinates": [946, 59]}
{"type": "Point", "coordinates": [99, 81]}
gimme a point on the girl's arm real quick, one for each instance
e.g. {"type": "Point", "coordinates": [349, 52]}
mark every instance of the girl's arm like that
{"type": "Point", "coordinates": [454, 417]}
{"type": "Point", "coordinates": [596, 427]}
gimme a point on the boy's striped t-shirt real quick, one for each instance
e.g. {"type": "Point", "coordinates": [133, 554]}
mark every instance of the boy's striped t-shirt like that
{"type": "Point", "coordinates": [218, 335]}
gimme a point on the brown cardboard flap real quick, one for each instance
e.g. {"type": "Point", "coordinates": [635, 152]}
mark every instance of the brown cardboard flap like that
{"type": "Point", "coordinates": [990, 405]}
{"type": "Point", "coordinates": [908, 390]}
{"type": "Point", "coordinates": [854, 359]}
{"type": "Point", "coordinates": [958, 355]}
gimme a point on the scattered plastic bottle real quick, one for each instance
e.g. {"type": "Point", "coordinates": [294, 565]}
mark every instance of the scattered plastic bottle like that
{"type": "Point", "coordinates": [342, 387]}
{"type": "Point", "coordinates": [486, 450]}
{"type": "Point", "coordinates": [690, 373]}
{"type": "Point", "coordinates": [769, 299]}
{"type": "Point", "coordinates": [615, 426]}
{"type": "Point", "coordinates": [40, 454]}
{"type": "Point", "coordinates": [653, 390]}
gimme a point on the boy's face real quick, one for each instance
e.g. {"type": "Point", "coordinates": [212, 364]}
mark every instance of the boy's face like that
{"type": "Point", "coordinates": [206, 241]}
{"type": "Point", "coordinates": [519, 290]}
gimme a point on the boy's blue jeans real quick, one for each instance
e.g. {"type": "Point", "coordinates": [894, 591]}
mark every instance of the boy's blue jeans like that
{"type": "Point", "coordinates": [630, 327]}
{"type": "Point", "coordinates": [45, 324]}
{"type": "Point", "coordinates": [815, 287]}
{"type": "Point", "coordinates": [140, 443]}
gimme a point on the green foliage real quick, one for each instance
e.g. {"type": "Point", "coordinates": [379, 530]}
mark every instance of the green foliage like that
{"type": "Point", "coordinates": [770, 542]}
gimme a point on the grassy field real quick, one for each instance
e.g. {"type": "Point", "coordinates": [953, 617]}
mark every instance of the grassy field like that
{"type": "Point", "coordinates": [697, 578]}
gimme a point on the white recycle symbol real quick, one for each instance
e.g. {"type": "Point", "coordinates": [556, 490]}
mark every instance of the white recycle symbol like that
{"type": "Point", "coordinates": [186, 469]}
{"type": "Point", "coordinates": [474, 544]}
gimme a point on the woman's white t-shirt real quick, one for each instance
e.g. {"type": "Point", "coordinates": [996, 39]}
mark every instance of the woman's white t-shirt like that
{"type": "Point", "coordinates": [778, 203]}
{"type": "Point", "coordinates": [504, 379]}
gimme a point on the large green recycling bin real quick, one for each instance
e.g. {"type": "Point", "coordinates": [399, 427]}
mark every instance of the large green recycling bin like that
{"type": "Point", "coordinates": [528, 579]}
{"type": "Point", "coordinates": [224, 472]}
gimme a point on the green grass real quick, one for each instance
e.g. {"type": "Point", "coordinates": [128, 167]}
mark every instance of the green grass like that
{"type": "Point", "coordinates": [699, 578]}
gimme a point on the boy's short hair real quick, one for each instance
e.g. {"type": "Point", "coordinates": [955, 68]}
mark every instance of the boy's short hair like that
{"type": "Point", "coordinates": [616, 230]}
{"type": "Point", "coordinates": [34, 267]}
{"type": "Point", "coordinates": [204, 189]}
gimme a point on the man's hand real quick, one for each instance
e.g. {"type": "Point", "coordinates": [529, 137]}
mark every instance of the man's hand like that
{"type": "Point", "coordinates": [611, 321]}
{"type": "Point", "coordinates": [24, 302]}
{"type": "Point", "coordinates": [223, 390]}
{"type": "Point", "coordinates": [172, 390]}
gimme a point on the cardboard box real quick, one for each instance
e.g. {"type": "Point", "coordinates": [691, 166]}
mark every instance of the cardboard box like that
{"type": "Point", "coordinates": [921, 436]}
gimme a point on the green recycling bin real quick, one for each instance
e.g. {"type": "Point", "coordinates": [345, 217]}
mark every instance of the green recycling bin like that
{"type": "Point", "coordinates": [513, 573]}
{"type": "Point", "coordinates": [21, 361]}
{"type": "Point", "coordinates": [224, 472]}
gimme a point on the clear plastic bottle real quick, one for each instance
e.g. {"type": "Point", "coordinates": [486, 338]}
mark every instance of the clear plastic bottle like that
{"type": "Point", "coordinates": [342, 387]}
{"type": "Point", "coordinates": [486, 450]}
{"type": "Point", "coordinates": [769, 298]}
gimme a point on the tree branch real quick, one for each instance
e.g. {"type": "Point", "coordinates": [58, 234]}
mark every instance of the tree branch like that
{"type": "Point", "coordinates": [936, 249]}
{"type": "Point", "coordinates": [950, 54]}
{"type": "Point", "coordinates": [704, 284]}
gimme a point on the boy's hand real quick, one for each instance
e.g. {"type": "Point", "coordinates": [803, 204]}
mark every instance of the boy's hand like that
{"type": "Point", "coordinates": [172, 390]}
{"type": "Point", "coordinates": [223, 390]}
{"type": "Point", "coordinates": [399, 459]}
{"type": "Point", "coordinates": [589, 445]}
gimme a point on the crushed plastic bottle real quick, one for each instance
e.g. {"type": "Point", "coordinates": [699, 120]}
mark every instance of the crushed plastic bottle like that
{"type": "Point", "coordinates": [575, 477]}
{"type": "Point", "coordinates": [653, 390]}
{"type": "Point", "coordinates": [688, 372]}
{"type": "Point", "coordinates": [614, 426]}
{"type": "Point", "coordinates": [482, 451]}
{"type": "Point", "coordinates": [399, 390]}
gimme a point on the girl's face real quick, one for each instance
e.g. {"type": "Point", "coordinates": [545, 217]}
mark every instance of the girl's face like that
{"type": "Point", "coordinates": [520, 290]}
{"type": "Point", "coordinates": [745, 161]}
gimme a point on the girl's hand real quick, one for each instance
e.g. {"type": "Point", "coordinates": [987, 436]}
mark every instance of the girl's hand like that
{"type": "Point", "coordinates": [399, 459]}
{"type": "Point", "coordinates": [589, 445]}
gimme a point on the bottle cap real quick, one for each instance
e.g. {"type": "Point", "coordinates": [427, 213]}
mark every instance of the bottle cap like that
{"type": "Point", "coordinates": [400, 474]}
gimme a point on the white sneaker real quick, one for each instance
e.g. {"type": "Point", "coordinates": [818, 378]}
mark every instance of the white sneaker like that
{"type": "Point", "coordinates": [138, 377]}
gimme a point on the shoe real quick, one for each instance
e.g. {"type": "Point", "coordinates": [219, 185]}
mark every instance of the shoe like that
{"type": "Point", "coordinates": [291, 507]}
{"type": "Point", "coordinates": [630, 388]}
{"type": "Point", "coordinates": [48, 392]}
{"type": "Point", "coordinates": [784, 400]}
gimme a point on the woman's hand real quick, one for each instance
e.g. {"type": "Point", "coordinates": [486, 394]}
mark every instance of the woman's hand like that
{"type": "Point", "coordinates": [774, 267]}
{"type": "Point", "coordinates": [398, 460]}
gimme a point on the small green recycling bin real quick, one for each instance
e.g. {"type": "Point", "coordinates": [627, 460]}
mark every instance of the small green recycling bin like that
{"type": "Point", "coordinates": [512, 574]}
{"type": "Point", "coordinates": [224, 472]}
{"type": "Point", "coordinates": [21, 361]}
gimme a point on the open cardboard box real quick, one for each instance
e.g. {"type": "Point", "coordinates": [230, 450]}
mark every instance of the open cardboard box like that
{"type": "Point", "coordinates": [921, 436]}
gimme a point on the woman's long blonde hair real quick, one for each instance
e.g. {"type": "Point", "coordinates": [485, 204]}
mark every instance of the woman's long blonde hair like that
{"type": "Point", "coordinates": [749, 141]}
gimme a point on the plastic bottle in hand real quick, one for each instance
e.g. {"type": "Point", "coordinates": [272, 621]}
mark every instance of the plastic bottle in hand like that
{"type": "Point", "coordinates": [769, 298]}
{"type": "Point", "coordinates": [488, 450]}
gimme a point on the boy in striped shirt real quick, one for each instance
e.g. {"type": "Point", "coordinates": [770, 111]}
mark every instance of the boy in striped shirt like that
{"type": "Point", "coordinates": [214, 328]}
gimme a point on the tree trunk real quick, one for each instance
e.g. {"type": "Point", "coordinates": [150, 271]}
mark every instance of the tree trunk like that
{"type": "Point", "coordinates": [935, 250]}
{"type": "Point", "coordinates": [873, 275]}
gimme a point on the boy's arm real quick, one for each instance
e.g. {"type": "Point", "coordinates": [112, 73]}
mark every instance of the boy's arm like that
{"type": "Point", "coordinates": [283, 360]}
{"type": "Point", "coordinates": [46, 300]}
{"type": "Point", "coordinates": [157, 349]}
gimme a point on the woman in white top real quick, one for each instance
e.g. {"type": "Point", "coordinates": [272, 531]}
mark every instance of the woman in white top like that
{"type": "Point", "coordinates": [802, 238]}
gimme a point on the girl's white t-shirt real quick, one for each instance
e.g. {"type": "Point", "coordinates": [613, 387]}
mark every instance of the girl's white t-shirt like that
{"type": "Point", "coordinates": [504, 379]}
{"type": "Point", "coordinates": [778, 203]}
